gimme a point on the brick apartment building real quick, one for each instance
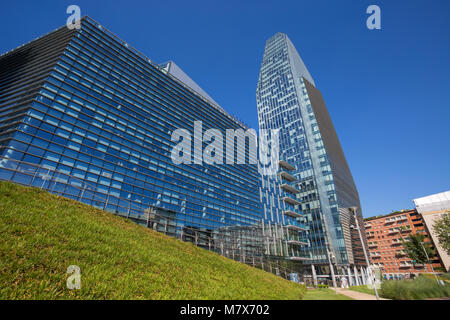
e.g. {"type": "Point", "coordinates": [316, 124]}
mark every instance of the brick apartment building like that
{"type": "Point", "coordinates": [384, 234]}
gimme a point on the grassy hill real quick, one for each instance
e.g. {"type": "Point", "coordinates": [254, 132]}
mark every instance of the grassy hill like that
{"type": "Point", "coordinates": [42, 234]}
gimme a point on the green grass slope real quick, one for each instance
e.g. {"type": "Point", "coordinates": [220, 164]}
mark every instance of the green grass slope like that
{"type": "Point", "coordinates": [42, 234]}
{"type": "Point", "coordinates": [324, 294]}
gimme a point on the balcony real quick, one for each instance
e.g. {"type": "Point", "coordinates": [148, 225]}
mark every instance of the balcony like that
{"type": "Point", "coordinates": [402, 218]}
{"type": "Point", "coordinates": [379, 264]}
{"type": "Point", "coordinates": [373, 245]}
{"type": "Point", "coordinates": [287, 176]}
{"type": "Point", "coordinates": [289, 188]}
{"type": "Point", "coordinates": [406, 229]}
{"type": "Point", "coordinates": [291, 201]}
{"type": "Point", "coordinates": [298, 258]}
{"type": "Point", "coordinates": [297, 242]}
{"type": "Point", "coordinates": [291, 213]}
{"type": "Point", "coordinates": [286, 165]}
{"type": "Point", "coordinates": [406, 265]}
{"type": "Point", "coordinates": [296, 227]}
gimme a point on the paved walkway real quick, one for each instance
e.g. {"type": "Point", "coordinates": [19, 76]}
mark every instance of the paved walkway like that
{"type": "Point", "coordinates": [357, 295]}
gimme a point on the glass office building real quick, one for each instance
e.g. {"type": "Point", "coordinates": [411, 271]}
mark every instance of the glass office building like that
{"type": "Point", "coordinates": [88, 105]}
{"type": "Point", "coordinates": [287, 99]}
{"type": "Point", "coordinates": [86, 116]}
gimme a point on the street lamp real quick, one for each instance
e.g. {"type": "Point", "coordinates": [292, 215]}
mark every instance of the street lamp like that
{"type": "Point", "coordinates": [354, 209]}
{"type": "Point", "coordinates": [333, 277]}
{"type": "Point", "coordinates": [431, 265]}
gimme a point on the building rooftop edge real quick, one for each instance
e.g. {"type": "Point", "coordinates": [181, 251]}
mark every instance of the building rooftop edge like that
{"type": "Point", "coordinates": [389, 214]}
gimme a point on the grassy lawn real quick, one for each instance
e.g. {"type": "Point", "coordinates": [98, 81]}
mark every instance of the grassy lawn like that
{"type": "Point", "coordinates": [42, 234]}
{"type": "Point", "coordinates": [364, 289]}
{"type": "Point", "coordinates": [324, 294]}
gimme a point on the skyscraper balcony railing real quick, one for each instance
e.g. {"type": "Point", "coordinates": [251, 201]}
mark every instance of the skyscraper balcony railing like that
{"type": "Point", "coordinates": [289, 187]}
{"type": "Point", "coordinates": [286, 194]}
{"type": "Point", "coordinates": [294, 254]}
{"type": "Point", "coordinates": [297, 227]}
{"type": "Point", "coordinates": [287, 176]}
{"type": "Point", "coordinates": [291, 213]}
{"type": "Point", "coordinates": [286, 166]}
{"type": "Point", "coordinates": [299, 258]}
{"type": "Point", "coordinates": [297, 242]}
{"type": "Point", "coordinates": [290, 200]}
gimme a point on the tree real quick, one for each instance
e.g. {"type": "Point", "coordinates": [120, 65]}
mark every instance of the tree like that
{"type": "Point", "coordinates": [442, 229]}
{"type": "Point", "coordinates": [414, 248]}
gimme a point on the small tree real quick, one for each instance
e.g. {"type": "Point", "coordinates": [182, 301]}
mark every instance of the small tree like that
{"type": "Point", "coordinates": [414, 248]}
{"type": "Point", "coordinates": [442, 229]}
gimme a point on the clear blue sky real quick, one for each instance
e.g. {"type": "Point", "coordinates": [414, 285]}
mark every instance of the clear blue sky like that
{"type": "Point", "coordinates": [387, 91]}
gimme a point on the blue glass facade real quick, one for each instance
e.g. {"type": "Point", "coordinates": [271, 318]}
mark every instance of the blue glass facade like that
{"type": "Point", "coordinates": [288, 100]}
{"type": "Point", "coordinates": [284, 225]}
{"type": "Point", "coordinates": [103, 114]}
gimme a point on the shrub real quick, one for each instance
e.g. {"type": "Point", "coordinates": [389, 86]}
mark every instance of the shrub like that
{"type": "Point", "coordinates": [418, 289]}
{"type": "Point", "coordinates": [322, 286]}
{"type": "Point", "coordinates": [445, 276]}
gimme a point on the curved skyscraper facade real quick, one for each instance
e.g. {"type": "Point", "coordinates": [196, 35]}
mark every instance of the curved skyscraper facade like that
{"type": "Point", "coordinates": [287, 99]}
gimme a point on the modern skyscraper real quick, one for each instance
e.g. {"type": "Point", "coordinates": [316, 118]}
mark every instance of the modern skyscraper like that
{"type": "Point", "coordinates": [287, 99]}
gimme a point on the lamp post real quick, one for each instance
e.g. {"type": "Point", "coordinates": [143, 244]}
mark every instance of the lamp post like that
{"type": "Point", "coordinates": [333, 277]}
{"type": "Point", "coordinates": [431, 265]}
{"type": "Point", "coordinates": [354, 209]}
